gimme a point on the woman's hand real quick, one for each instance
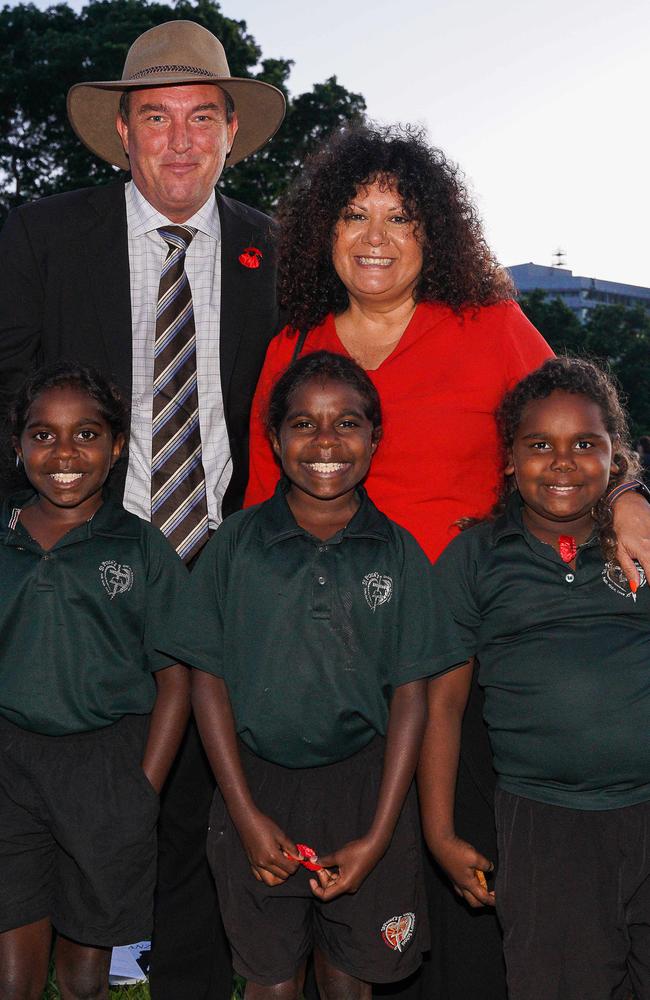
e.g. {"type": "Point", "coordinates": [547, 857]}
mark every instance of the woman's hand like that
{"type": "Point", "coordinates": [632, 526]}
{"type": "Point", "coordinates": [266, 847]}
{"type": "Point", "coordinates": [460, 861]}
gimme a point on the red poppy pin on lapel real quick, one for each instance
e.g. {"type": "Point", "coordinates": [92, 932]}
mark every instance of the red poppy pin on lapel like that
{"type": "Point", "coordinates": [250, 257]}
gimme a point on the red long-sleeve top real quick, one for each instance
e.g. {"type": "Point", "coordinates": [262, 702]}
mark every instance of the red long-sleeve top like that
{"type": "Point", "coordinates": [439, 458]}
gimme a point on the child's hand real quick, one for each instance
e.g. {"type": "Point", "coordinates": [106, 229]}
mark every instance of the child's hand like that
{"type": "Point", "coordinates": [354, 862]}
{"type": "Point", "coordinates": [267, 847]}
{"type": "Point", "coordinates": [460, 861]}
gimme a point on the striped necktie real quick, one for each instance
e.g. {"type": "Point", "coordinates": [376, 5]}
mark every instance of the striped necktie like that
{"type": "Point", "coordinates": [178, 498]}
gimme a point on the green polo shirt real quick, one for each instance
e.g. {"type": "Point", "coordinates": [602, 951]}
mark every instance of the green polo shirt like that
{"type": "Point", "coordinates": [311, 637]}
{"type": "Point", "coordinates": [79, 623]}
{"type": "Point", "coordinates": [564, 660]}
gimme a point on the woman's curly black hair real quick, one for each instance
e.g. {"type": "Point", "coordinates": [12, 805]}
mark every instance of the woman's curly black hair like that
{"type": "Point", "coordinates": [458, 268]}
{"type": "Point", "coordinates": [583, 378]}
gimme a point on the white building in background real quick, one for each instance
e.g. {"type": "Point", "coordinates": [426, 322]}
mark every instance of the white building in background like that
{"type": "Point", "coordinates": [578, 293]}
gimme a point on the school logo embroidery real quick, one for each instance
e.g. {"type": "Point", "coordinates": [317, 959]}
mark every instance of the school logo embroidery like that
{"type": "Point", "coordinates": [377, 590]}
{"type": "Point", "coordinates": [615, 579]}
{"type": "Point", "coordinates": [116, 578]}
{"type": "Point", "coordinates": [398, 931]}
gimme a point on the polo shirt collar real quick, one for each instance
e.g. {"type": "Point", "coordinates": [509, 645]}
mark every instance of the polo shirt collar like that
{"type": "Point", "coordinates": [511, 522]}
{"type": "Point", "coordinates": [143, 218]}
{"type": "Point", "coordinates": [111, 519]}
{"type": "Point", "coordinates": [278, 523]}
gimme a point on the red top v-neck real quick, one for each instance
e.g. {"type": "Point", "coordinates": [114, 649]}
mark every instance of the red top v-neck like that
{"type": "Point", "coordinates": [438, 459]}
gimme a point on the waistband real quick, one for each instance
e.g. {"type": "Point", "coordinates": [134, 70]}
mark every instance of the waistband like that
{"type": "Point", "coordinates": [128, 724]}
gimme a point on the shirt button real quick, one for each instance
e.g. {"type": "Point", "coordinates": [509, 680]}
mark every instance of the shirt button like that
{"type": "Point", "coordinates": [322, 581]}
{"type": "Point", "coordinates": [569, 578]}
{"type": "Point", "coordinates": [322, 548]}
{"type": "Point", "coordinates": [46, 556]}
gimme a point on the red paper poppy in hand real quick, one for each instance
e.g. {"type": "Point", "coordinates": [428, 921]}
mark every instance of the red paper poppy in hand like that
{"type": "Point", "coordinates": [250, 257]}
{"type": "Point", "coordinates": [308, 858]}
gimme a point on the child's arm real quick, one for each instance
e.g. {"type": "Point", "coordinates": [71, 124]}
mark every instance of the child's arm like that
{"type": "Point", "coordinates": [437, 770]}
{"type": "Point", "coordinates": [264, 842]}
{"type": "Point", "coordinates": [404, 735]}
{"type": "Point", "coordinates": [168, 720]}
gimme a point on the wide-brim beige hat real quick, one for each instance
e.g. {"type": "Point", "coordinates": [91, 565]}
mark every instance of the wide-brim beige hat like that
{"type": "Point", "coordinates": [174, 52]}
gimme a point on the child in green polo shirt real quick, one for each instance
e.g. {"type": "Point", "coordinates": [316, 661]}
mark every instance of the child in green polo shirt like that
{"type": "Point", "coordinates": [309, 620]}
{"type": "Point", "coordinates": [90, 713]}
{"type": "Point", "coordinates": [563, 646]}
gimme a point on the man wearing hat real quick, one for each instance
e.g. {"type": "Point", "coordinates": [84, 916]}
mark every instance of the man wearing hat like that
{"type": "Point", "coordinates": [170, 287]}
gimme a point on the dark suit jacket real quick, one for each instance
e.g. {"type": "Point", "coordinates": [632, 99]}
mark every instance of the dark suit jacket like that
{"type": "Point", "coordinates": [65, 293]}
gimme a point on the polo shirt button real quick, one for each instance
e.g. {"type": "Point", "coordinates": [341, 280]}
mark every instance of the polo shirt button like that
{"type": "Point", "coordinates": [322, 581]}
{"type": "Point", "coordinates": [322, 548]}
{"type": "Point", "coordinates": [569, 578]}
{"type": "Point", "coordinates": [46, 556]}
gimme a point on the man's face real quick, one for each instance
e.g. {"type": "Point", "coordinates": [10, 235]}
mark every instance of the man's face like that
{"type": "Point", "coordinates": [177, 139]}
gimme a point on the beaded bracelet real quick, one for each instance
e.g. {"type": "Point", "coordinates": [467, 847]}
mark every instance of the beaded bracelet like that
{"type": "Point", "coordinates": [631, 484]}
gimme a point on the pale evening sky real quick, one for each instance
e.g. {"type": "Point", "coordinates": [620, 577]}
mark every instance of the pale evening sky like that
{"type": "Point", "coordinates": [545, 107]}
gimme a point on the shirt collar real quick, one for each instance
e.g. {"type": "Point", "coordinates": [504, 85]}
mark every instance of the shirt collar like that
{"type": "Point", "coordinates": [111, 519]}
{"type": "Point", "coordinates": [143, 218]}
{"type": "Point", "coordinates": [511, 522]}
{"type": "Point", "coordinates": [278, 523]}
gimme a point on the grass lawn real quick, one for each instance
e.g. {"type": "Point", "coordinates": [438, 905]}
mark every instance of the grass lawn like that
{"type": "Point", "coordinates": [139, 992]}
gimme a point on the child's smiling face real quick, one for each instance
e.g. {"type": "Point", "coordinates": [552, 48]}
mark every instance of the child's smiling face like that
{"type": "Point", "coordinates": [326, 441]}
{"type": "Point", "coordinates": [68, 449]}
{"type": "Point", "coordinates": [562, 460]}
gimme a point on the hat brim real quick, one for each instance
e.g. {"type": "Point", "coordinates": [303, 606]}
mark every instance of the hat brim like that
{"type": "Point", "coordinates": [93, 109]}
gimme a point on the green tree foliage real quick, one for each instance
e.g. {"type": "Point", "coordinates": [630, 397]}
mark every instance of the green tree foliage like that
{"type": "Point", "coordinates": [614, 336]}
{"type": "Point", "coordinates": [44, 52]}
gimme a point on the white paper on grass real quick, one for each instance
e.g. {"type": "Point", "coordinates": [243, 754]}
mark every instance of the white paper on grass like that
{"type": "Point", "coordinates": [124, 968]}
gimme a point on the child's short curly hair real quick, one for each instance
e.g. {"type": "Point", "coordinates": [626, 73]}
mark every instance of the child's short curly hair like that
{"type": "Point", "coordinates": [69, 373]}
{"type": "Point", "coordinates": [583, 378]}
{"type": "Point", "coordinates": [321, 366]}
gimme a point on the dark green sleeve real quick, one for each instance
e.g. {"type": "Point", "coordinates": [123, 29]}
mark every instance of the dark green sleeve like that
{"type": "Point", "coordinates": [193, 633]}
{"type": "Point", "coordinates": [167, 581]}
{"type": "Point", "coordinates": [455, 579]}
{"type": "Point", "coordinates": [428, 640]}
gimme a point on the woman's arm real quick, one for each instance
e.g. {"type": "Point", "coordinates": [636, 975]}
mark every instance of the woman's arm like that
{"type": "Point", "coordinates": [264, 842]}
{"type": "Point", "coordinates": [356, 860]}
{"type": "Point", "coordinates": [632, 527]}
{"type": "Point", "coordinates": [168, 720]}
{"type": "Point", "coordinates": [437, 771]}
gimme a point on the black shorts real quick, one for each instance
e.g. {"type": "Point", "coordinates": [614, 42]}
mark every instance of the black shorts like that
{"type": "Point", "coordinates": [377, 934]}
{"type": "Point", "coordinates": [78, 832]}
{"type": "Point", "coordinates": [573, 897]}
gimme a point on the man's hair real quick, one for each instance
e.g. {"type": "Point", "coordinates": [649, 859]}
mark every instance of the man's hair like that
{"type": "Point", "coordinates": [126, 94]}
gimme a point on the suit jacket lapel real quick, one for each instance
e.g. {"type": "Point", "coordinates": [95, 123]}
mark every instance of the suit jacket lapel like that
{"type": "Point", "coordinates": [235, 289]}
{"type": "Point", "coordinates": [108, 281]}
